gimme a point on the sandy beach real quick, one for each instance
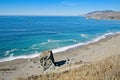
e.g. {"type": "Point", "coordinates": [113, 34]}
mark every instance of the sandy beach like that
{"type": "Point", "coordinates": [79, 56]}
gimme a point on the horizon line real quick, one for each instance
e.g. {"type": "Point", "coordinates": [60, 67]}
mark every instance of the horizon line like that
{"type": "Point", "coordinates": [41, 15]}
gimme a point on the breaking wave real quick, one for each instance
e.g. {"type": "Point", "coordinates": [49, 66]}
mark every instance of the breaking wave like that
{"type": "Point", "coordinates": [12, 57]}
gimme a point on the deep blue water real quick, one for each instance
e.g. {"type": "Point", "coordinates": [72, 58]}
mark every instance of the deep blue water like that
{"type": "Point", "coordinates": [26, 35]}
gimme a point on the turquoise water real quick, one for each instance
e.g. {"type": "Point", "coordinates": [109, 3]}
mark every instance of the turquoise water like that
{"type": "Point", "coordinates": [26, 36]}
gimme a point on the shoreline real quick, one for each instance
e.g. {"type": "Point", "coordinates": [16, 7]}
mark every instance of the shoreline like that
{"type": "Point", "coordinates": [62, 49]}
{"type": "Point", "coordinates": [85, 54]}
{"type": "Point", "coordinates": [61, 52]}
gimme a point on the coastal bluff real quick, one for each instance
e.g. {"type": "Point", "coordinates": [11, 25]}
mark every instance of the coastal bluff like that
{"type": "Point", "coordinates": [105, 14]}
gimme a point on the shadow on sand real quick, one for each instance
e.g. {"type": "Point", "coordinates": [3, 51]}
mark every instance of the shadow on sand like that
{"type": "Point", "coordinates": [60, 63]}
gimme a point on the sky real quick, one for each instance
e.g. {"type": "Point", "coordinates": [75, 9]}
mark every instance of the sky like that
{"type": "Point", "coordinates": [56, 7]}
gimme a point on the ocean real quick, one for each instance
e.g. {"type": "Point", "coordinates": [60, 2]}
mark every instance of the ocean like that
{"type": "Point", "coordinates": [28, 36]}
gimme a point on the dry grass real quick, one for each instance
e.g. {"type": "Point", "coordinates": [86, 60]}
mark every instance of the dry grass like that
{"type": "Point", "coordinates": [108, 69]}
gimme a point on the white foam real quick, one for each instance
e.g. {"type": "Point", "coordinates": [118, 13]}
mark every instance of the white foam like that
{"type": "Point", "coordinates": [84, 35]}
{"type": "Point", "coordinates": [52, 41]}
{"type": "Point", "coordinates": [44, 43]}
{"type": "Point", "coordinates": [9, 51]}
{"type": "Point", "coordinates": [60, 49]}
{"type": "Point", "coordinates": [12, 57]}
{"type": "Point", "coordinates": [85, 43]}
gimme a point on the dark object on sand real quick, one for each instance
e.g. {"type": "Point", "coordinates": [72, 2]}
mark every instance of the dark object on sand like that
{"type": "Point", "coordinates": [47, 59]}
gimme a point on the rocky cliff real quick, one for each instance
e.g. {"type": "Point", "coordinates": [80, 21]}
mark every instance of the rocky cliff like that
{"type": "Point", "coordinates": [106, 14]}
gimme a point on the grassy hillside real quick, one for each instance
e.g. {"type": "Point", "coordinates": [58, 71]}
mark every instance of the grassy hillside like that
{"type": "Point", "coordinates": [108, 69]}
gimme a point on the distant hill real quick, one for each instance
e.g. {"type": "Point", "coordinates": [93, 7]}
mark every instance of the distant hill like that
{"type": "Point", "coordinates": [106, 14]}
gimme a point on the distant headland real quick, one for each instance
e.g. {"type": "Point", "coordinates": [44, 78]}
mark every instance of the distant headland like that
{"type": "Point", "coordinates": [105, 14]}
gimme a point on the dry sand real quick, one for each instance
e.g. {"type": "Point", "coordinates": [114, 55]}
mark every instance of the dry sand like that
{"type": "Point", "coordinates": [86, 54]}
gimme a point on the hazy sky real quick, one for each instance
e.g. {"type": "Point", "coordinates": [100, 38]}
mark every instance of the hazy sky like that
{"type": "Point", "coordinates": [55, 7]}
